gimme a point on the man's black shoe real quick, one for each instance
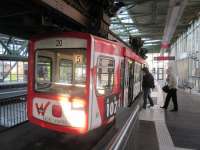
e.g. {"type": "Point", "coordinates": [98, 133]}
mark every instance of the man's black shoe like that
{"type": "Point", "coordinates": [163, 107]}
{"type": "Point", "coordinates": [174, 110]}
{"type": "Point", "coordinates": [151, 106]}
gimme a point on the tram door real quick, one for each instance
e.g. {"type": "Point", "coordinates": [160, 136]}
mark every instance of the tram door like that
{"type": "Point", "coordinates": [126, 82]}
{"type": "Point", "coordinates": [131, 82]}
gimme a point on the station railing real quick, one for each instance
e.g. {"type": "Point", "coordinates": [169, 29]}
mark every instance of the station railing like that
{"type": "Point", "coordinates": [13, 111]}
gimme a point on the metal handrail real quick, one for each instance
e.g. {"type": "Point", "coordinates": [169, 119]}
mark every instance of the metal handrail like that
{"type": "Point", "coordinates": [117, 141]}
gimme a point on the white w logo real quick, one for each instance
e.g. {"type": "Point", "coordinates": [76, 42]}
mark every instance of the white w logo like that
{"type": "Point", "coordinates": [42, 108]}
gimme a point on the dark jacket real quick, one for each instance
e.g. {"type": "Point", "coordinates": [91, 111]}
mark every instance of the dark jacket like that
{"type": "Point", "coordinates": [148, 81]}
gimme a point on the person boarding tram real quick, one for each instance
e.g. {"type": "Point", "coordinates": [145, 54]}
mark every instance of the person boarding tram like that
{"type": "Point", "coordinates": [147, 84]}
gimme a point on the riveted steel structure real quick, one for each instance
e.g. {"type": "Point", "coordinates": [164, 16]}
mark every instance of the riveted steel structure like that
{"type": "Point", "coordinates": [13, 59]}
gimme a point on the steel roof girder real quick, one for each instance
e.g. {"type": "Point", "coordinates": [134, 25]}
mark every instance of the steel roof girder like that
{"type": "Point", "coordinates": [5, 47]}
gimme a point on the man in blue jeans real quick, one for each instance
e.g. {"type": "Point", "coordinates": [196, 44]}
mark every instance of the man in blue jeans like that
{"type": "Point", "coordinates": [147, 84]}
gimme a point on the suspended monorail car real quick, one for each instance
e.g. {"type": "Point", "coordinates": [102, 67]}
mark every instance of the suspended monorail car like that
{"type": "Point", "coordinates": [78, 81]}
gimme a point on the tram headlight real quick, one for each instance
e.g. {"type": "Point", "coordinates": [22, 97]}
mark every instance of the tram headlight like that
{"type": "Point", "coordinates": [77, 104]}
{"type": "Point", "coordinates": [78, 116]}
{"type": "Point", "coordinates": [74, 112]}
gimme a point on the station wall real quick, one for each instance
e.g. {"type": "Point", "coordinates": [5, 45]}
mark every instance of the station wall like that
{"type": "Point", "coordinates": [187, 52]}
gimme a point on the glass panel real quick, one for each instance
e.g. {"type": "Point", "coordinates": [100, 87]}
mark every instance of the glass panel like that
{"type": "Point", "coordinates": [80, 73]}
{"type": "Point", "coordinates": [43, 76]}
{"type": "Point", "coordinates": [105, 75]}
{"type": "Point", "coordinates": [136, 72]}
{"type": "Point", "coordinates": [1, 71]}
{"type": "Point", "coordinates": [1, 49]}
{"type": "Point", "coordinates": [13, 71]}
{"type": "Point", "coordinates": [122, 73]}
{"type": "Point", "coordinates": [68, 67]}
{"type": "Point", "coordinates": [7, 70]}
{"type": "Point", "coordinates": [20, 71]}
{"type": "Point", "coordinates": [66, 71]}
{"type": "Point", "coordinates": [25, 71]}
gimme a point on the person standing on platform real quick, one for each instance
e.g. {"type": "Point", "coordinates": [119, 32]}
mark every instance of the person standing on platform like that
{"type": "Point", "coordinates": [147, 84]}
{"type": "Point", "coordinates": [171, 82]}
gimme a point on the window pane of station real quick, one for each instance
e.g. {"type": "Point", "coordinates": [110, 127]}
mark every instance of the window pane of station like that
{"type": "Point", "coordinates": [13, 71]}
{"type": "Point", "coordinates": [1, 49]}
{"type": "Point", "coordinates": [20, 70]}
{"type": "Point", "coordinates": [25, 74]}
{"type": "Point", "coordinates": [1, 71]}
{"type": "Point", "coordinates": [6, 70]}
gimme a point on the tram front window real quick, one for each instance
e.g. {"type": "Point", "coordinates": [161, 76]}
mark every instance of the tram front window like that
{"type": "Point", "coordinates": [61, 71]}
{"type": "Point", "coordinates": [43, 71]}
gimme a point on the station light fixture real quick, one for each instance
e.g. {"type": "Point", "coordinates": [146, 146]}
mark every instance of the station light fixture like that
{"type": "Point", "coordinates": [175, 12]}
{"type": "Point", "coordinates": [151, 41]}
{"type": "Point", "coordinates": [150, 44]}
{"type": "Point", "coordinates": [145, 39]}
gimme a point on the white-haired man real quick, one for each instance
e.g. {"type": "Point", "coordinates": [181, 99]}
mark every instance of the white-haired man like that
{"type": "Point", "coordinates": [171, 81]}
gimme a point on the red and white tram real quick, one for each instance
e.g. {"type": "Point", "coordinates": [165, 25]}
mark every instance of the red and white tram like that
{"type": "Point", "coordinates": [77, 81]}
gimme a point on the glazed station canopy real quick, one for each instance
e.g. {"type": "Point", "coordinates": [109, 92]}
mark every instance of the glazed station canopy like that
{"type": "Point", "coordinates": [156, 22]}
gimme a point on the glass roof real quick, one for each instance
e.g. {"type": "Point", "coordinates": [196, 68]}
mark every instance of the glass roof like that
{"type": "Point", "coordinates": [123, 26]}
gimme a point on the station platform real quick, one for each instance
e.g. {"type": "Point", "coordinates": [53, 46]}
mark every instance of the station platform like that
{"type": "Point", "coordinates": [12, 89]}
{"type": "Point", "coordinates": [12, 92]}
{"type": "Point", "coordinates": [158, 129]}
{"type": "Point", "coordinates": [171, 130]}
{"type": "Point", "coordinates": [5, 85]}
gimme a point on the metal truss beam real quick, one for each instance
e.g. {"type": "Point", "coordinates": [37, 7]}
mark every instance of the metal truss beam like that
{"type": "Point", "coordinates": [7, 50]}
{"type": "Point", "coordinates": [13, 58]}
{"type": "Point", "coordinates": [67, 10]}
{"type": "Point", "coordinates": [13, 51]}
{"type": "Point", "coordinates": [10, 45]}
{"type": "Point", "coordinates": [140, 2]}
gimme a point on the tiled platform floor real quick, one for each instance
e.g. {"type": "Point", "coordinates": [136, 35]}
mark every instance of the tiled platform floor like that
{"type": "Point", "coordinates": [175, 130]}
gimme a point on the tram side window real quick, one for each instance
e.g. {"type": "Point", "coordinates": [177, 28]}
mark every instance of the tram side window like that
{"type": "Point", "coordinates": [43, 72]}
{"type": "Point", "coordinates": [66, 70]}
{"type": "Point", "coordinates": [105, 75]}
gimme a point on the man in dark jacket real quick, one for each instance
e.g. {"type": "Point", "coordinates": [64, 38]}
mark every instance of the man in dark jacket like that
{"type": "Point", "coordinates": [147, 84]}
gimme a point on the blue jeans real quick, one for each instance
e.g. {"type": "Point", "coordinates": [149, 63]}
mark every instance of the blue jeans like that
{"type": "Point", "coordinates": [146, 95]}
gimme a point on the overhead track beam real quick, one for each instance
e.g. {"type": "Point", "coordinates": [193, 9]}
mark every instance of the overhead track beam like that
{"type": "Point", "coordinates": [67, 10]}
{"type": "Point", "coordinates": [175, 11]}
